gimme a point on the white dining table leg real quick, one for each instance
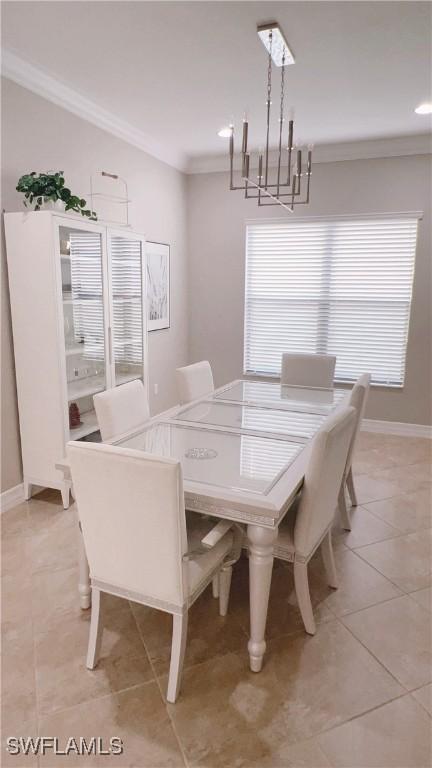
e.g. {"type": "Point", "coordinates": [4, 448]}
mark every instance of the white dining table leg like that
{"type": "Point", "coordinates": [260, 543]}
{"type": "Point", "coordinates": [84, 588]}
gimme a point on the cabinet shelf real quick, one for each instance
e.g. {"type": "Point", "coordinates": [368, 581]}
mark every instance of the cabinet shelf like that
{"type": "Point", "coordinates": [85, 387]}
{"type": "Point", "coordinates": [89, 425]}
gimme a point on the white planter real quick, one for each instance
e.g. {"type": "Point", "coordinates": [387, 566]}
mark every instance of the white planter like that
{"type": "Point", "coordinates": [53, 205]}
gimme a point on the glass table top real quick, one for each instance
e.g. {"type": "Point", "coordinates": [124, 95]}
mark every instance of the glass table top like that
{"type": "Point", "coordinates": [238, 462]}
{"type": "Point", "coordinates": [309, 399]}
{"type": "Point", "coordinates": [296, 424]}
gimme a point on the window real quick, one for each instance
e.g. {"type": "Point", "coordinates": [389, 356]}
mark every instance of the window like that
{"type": "Point", "coordinates": [338, 286]}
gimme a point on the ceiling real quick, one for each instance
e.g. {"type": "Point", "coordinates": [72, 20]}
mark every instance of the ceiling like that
{"type": "Point", "coordinates": [178, 71]}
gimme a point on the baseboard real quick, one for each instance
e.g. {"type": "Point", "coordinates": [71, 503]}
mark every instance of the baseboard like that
{"type": "Point", "coordinates": [11, 497]}
{"type": "Point", "coordinates": [397, 428]}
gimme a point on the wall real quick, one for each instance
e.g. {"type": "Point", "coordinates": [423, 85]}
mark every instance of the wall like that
{"type": "Point", "coordinates": [37, 135]}
{"type": "Point", "coordinates": [216, 265]}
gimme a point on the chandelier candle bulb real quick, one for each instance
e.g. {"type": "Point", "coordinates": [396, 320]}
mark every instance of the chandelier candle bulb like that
{"type": "Point", "coordinates": [245, 136]}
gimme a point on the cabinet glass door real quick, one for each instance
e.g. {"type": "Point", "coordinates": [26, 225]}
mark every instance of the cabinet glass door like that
{"type": "Point", "coordinates": [84, 324]}
{"type": "Point", "coordinates": [128, 306]}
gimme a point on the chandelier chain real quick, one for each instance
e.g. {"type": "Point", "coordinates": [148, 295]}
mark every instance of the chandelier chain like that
{"type": "Point", "coordinates": [282, 88]}
{"type": "Point", "coordinates": [269, 69]}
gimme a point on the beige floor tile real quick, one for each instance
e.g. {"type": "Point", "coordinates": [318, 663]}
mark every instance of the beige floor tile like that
{"type": "Point", "coordinates": [369, 488]}
{"type": "Point", "coordinates": [423, 597]}
{"type": "Point", "coordinates": [55, 597]}
{"type": "Point", "coordinates": [360, 585]}
{"type": "Point", "coordinates": [368, 460]}
{"type": "Point", "coordinates": [365, 529]}
{"type": "Point", "coordinates": [396, 735]}
{"type": "Point", "coordinates": [16, 556]}
{"type": "Point", "coordinates": [54, 550]}
{"type": "Point", "coordinates": [18, 676]}
{"type": "Point", "coordinates": [303, 754]}
{"type": "Point", "coordinates": [421, 471]}
{"type": "Point", "coordinates": [424, 697]}
{"type": "Point", "coordinates": [403, 478]}
{"type": "Point", "coordinates": [137, 716]}
{"type": "Point", "coordinates": [15, 521]}
{"type": "Point", "coordinates": [62, 678]}
{"type": "Point", "coordinates": [405, 560]}
{"type": "Point", "coordinates": [26, 730]}
{"type": "Point", "coordinates": [408, 512]}
{"type": "Point", "coordinates": [209, 635]}
{"type": "Point", "coordinates": [398, 633]}
{"type": "Point", "coordinates": [16, 596]}
{"type": "Point", "coordinates": [227, 715]}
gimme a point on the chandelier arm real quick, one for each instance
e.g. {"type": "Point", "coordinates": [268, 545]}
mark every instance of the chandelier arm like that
{"type": "Point", "coordinates": [266, 193]}
{"type": "Point", "coordinates": [306, 201]}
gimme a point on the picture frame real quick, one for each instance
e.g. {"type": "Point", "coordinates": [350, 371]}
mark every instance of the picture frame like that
{"type": "Point", "coordinates": [158, 285]}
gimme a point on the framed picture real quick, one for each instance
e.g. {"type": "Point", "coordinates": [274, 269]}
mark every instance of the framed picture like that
{"type": "Point", "coordinates": [158, 285]}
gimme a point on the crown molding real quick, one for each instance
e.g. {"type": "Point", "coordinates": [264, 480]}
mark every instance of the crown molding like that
{"type": "Point", "coordinates": [398, 146]}
{"type": "Point", "coordinates": [40, 82]}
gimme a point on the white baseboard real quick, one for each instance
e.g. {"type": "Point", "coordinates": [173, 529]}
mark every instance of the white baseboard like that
{"type": "Point", "coordinates": [11, 497]}
{"type": "Point", "coordinates": [397, 428]}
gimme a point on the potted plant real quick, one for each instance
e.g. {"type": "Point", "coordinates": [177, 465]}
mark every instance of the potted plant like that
{"type": "Point", "coordinates": [48, 190]}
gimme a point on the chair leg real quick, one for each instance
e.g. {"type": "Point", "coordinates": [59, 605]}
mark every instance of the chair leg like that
{"type": "Point", "coordinates": [328, 559]}
{"type": "Point", "coordinates": [351, 489]}
{"type": "Point", "coordinates": [224, 589]}
{"type": "Point", "coordinates": [344, 514]}
{"type": "Point", "coordinates": [215, 585]}
{"type": "Point", "coordinates": [178, 647]}
{"type": "Point", "coordinates": [303, 597]}
{"type": "Point", "coordinates": [96, 628]}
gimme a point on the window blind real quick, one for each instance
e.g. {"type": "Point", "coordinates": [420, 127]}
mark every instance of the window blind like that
{"type": "Point", "coordinates": [126, 273]}
{"type": "Point", "coordinates": [337, 286]}
{"type": "Point", "coordinates": [87, 298]}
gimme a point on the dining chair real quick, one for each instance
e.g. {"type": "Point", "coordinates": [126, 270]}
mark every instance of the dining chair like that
{"type": "Point", "coordinates": [194, 381]}
{"type": "Point", "coordinates": [310, 524]}
{"type": "Point", "coordinates": [304, 370]}
{"type": "Point", "coordinates": [132, 514]}
{"type": "Point", "coordinates": [357, 400]}
{"type": "Point", "coordinates": [121, 409]}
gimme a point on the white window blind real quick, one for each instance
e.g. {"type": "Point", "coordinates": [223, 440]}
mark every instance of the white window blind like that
{"type": "Point", "coordinates": [87, 298]}
{"type": "Point", "coordinates": [337, 286]}
{"type": "Point", "coordinates": [126, 271]}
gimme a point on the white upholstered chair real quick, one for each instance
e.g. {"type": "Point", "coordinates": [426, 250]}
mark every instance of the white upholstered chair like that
{"type": "Point", "coordinates": [194, 381]}
{"type": "Point", "coordinates": [132, 514]}
{"type": "Point", "coordinates": [357, 400]}
{"type": "Point", "coordinates": [121, 409]}
{"type": "Point", "coordinates": [303, 370]}
{"type": "Point", "coordinates": [310, 525]}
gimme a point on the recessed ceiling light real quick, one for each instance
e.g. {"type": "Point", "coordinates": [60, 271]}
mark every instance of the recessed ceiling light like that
{"type": "Point", "coordinates": [225, 133]}
{"type": "Point", "coordinates": [424, 109]}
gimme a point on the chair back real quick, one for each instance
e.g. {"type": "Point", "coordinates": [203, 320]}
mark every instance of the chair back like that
{"type": "Point", "coordinates": [194, 381]}
{"type": "Point", "coordinates": [121, 409]}
{"type": "Point", "coordinates": [357, 400]}
{"type": "Point", "coordinates": [323, 479]}
{"type": "Point", "coordinates": [131, 508]}
{"type": "Point", "coordinates": [308, 370]}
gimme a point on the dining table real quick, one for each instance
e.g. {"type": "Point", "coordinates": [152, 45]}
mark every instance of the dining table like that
{"type": "Point", "coordinates": [244, 450]}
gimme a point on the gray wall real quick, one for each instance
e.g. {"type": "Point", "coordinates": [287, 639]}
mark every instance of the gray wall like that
{"type": "Point", "coordinates": [216, 265]}
{"type": "Point", "coordinates": [37, 135]}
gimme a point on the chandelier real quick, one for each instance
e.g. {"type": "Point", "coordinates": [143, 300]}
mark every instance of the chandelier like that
{"type": "Point", "coordinates": [291, 185]}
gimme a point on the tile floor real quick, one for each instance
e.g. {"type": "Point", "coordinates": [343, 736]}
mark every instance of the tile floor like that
{"type": "Point", "coordinates": [358, 693]}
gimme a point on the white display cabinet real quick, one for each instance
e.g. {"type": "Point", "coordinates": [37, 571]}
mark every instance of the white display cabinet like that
{"type": "Point", "coordinates": [79, 321]}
